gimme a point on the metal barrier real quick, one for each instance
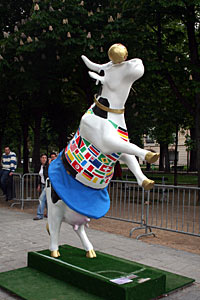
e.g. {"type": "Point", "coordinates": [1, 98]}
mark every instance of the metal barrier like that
{"type": "Point", "coordinates": [25, 188]}
{"type": "Point", "coordinates": [29, 188]}
{"type": "Point", "coordinates": [166, 207]}
{"type": "Point", "coordinates": [16, 188]}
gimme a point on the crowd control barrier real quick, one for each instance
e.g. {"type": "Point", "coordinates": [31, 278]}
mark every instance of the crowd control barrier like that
{"type": "Point", "coordinates": [165, 207]}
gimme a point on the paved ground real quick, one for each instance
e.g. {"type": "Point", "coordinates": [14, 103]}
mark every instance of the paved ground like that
{"type": "Point", "coordinates": [20, 234]}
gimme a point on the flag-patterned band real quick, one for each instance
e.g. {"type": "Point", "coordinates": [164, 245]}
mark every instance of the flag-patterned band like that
{"type": "Point", "coordinates": [86, 160]}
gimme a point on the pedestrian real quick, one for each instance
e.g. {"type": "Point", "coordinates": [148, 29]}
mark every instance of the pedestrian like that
{"type": "Point", "coordinates": [9, 165]}
{"type": "Point", "coordinates": [43, 174]}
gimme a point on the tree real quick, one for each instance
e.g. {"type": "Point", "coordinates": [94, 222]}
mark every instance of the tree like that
{"type": "Point", "coordinates": [169, 38]}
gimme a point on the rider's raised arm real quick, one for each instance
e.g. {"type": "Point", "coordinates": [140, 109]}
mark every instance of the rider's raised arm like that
{"type": "Point", "coordinates": [136, 68]}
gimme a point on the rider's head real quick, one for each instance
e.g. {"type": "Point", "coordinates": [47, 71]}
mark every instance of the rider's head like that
{"type": "Point", "coordinates": [117, 53]}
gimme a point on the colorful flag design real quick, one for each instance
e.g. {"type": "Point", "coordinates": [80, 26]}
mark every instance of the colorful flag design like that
{"type": "Point", "coordinates": [83, 149]}
{"type": "Point", "coordinates": [95, 162]}
{"type": "Point", "coordinates": [83, 163]}
{"type": "Point", "coordinates": [87, 175]}
{"type": "Point", "coordinates": [111, 157]}
{"type": "Point", "coordinates": [69, 156]}
{"type": "Point", "coordinates": [90, 168]}
{"type": "Point", "coordinates": [79, 157]}
{"type": "Point", "coordinates": [93, 150]}
{"type": "Point", "coordinates": [87, 155]}
{"type": "Point", "coordinates": [98, 175]}
{"type": "Point", "coordinates": [105, 168]}
{"type": "Point", "coordinates": [122, 133]}
{"type": "Point", "coordinates": [87, 160]}
{"type": "Point", "coordinates": [77, 167]}
{"type": "Point", "coordinates": [73, 146]}
{"type": "Point", "coordinates": [80, 143]}
{"type": "Point", "coordinates": [78, 139]}
{"type": "Point", "coordinates": [104, 159]}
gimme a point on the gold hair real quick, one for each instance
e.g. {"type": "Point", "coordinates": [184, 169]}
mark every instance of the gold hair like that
{"type": "Point", "coordinates": [117, 53]}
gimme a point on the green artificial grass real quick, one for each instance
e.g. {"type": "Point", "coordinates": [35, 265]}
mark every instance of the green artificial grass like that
{"type": "Point", "coordinates": [31, 284]}
{"type": "Point", "coordinates": [93, 275]}
{"type": "Point", "coordinates": [73, 276]}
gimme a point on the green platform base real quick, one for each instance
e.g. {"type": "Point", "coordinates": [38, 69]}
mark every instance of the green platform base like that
{"type": "Point", "coordinates": [74, 276]}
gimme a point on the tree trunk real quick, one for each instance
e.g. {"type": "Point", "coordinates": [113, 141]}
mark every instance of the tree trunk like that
{"type": "Point", "coordinates": [166, 155]}
{"type": "Point", "coordinates": [193, 152]}
{"type": "Point", "coordinates": [1, 143]}
{"type": "Point", "coordinates": [194, 57]}
{"type": "Point", "coordinates": [161, 161]}
{"type": "Point", "coordinates": [176, 156]}
{"type": "Point", "coordinates": [62, 140]}
{"type": "Point", "coordinates": [19, 155]}
{"type": "Point", "coordinates": [25, 146]}
{"type": "Point", "coordinates": [36, 146]}
{"type": "Point", "coordinates": [197, 123]}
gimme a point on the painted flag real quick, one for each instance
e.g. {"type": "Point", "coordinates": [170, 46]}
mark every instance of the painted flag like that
{"type": "Point", "coordinates": [93, 150]}
{"type": "Point", "coordinates": [80, 143]}
{"type": "Point", "coordinates": [95, 179]}
{"type": "Point", "coordinates": [87, 175]}
{"type": "Point", "coordinates": [98, 175]}
{"type": "Point", "coordinates": [105, 168]}
{"type": "Point", "coordinates": [73, 146]}
{"type": "Point", "coordinates": [83, 163]}
{"type": "Point", "coordinates": [69, 156]}
{"type": "Point", "coordinates": [90, 168]}
{"type": "Point", "coordinates": [87, 155]}
{"type": "Point", "coordinates": [95, 162]}
{"type": "Point", "coordinates": [86, 142]}
{"type": "Point", "coordinates": [113, 156]}
{"type": "Point", "coordinates": [76, 166]}
{"type": "Point", "coordinates": [83, 149]}
{"type": "Point", "coordinates": [104, 159]}
{"type": "Point", "coordinates": [78, 139]}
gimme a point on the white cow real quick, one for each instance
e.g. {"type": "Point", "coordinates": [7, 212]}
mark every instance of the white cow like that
{"type": "Point", "coordinates": [97, 128]}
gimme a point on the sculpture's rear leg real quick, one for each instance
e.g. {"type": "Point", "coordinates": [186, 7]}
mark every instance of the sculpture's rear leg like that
{"type": "Point", "coordinates": [55, 217]}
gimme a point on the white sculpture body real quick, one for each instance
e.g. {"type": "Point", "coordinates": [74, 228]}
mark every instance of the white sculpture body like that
{"type": "Point", "coordinates": [100, 132]}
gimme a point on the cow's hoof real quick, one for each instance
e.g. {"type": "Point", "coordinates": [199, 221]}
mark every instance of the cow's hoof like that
{"type": "Point", "coordinates": [151, 157]}
{"type": "Point", "coordinates": [47, 228]}
{"type": "Point", "coordinates": [91, 254]}
{"type": "Point", "coordinates": [55, 253]}
{"type": "Point", "coordinates": [148, 184]}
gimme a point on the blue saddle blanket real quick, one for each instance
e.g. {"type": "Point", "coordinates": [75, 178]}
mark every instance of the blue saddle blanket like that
{"type": "Point", "coordinates": [93, 203]}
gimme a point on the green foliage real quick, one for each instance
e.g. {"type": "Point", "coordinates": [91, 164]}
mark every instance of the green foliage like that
{"type": "Point", "coordinates": [42, 75]}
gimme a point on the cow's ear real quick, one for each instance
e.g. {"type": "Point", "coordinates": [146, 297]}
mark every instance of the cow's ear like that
{"type": "Point", "coordinates": [97, 77]}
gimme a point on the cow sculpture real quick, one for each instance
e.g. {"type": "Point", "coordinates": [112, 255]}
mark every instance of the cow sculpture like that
{"type": "Point", "coordinates": [77, 190]}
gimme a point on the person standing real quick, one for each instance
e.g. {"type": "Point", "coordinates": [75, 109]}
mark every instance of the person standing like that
{"type": "Point", "coordinates": [43, 173]}
{"type": "Point", "coordinates": [9, 165]}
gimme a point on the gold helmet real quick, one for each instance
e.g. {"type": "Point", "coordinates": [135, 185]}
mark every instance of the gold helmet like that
{"type": "Point", "coordinates": [117, 53]}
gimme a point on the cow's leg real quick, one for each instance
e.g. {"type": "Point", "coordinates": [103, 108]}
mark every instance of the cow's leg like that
{"type": "Point", "coordinates": [85, 242]}
{"type": "Point", "coordinates": [55, 217]}
{"type": "Point", "coordinates": [104, 136]}
{"type": "Point", "coordinates": [134, 166]}
{"type": "Point", "coordinates": [113, 143]}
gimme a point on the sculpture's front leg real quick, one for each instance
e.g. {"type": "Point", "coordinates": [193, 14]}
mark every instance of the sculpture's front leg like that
{"type": "Point", "coordinates": [134, 166]}
{"type": "Point", "coordinates": [85, 242]}
{"type": "Point", "coordinates": [107, 140]}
